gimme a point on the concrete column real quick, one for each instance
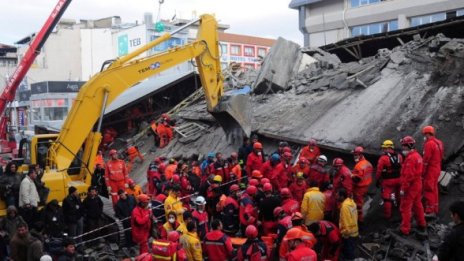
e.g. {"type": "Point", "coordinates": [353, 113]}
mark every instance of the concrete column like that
{"type": "Point", "coordinates": [403, 21]}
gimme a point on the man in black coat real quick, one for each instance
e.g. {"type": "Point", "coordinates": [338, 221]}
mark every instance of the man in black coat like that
{"type": "Point", "coordinates": [452, 248]}
{"type": "Point", "coordinates": [123, 210]}
{"type": "Point", "coordinates": [73, 213]}
{"type": "Point", "coordinates": [93, 209]}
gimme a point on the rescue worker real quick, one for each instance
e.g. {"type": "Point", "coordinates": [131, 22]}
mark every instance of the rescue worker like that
{"type": "Point", "coordinates": [307, 237]}
{"type": "Point", "coordinates": [299, 250]}
{"type": "Point", "coordinates": [173, 224]}
{"type": "Point", "coordinates": [153, 178]}
{"type": "Point", "coordinates": [255, 159]}
{"type": "Point", "coordinates": [206, 163]}
{"type": "Point", "coordinates": [301, 167]}
{"type": "Point", "coordinates": [266, 210]}
{"type": "Point", "coordinates": [220, 167]}
{"type": "Point", "coordinates": [133, 153]}
{"type": "Point", "coordinates": [284, 223]}
{"type": "Point", "coordinates": [313, 204]}
{"type": "Point", "coordinates": [201, 217]}
{"type": "Point", "coordinates": [348, 224]}
{"type": "Point", "coordinates": [285, 177]}
{"type": "Point", "coordinates": [289, 205]}
{"type": "Point", "coordinates": [298, 187]}
{"type": "Point", "coordinates": [253, 248]}
{"type": "Point", "coordinates": [230, 211]}
{"type": "Point", "coordinates": [248, 211]}
{"type": "Point", "coordinates": [191, 243]}
{"type": "Point", "coordinates": [116, 175]}
{"type": "Point", "coordinates": [256, 174]}
{"type": "Point", "coordinates": [171, 249]}
{"type": "Point", "coordinates": [411, 187]}
{"type": "Point", "coordinates": [99, 159]}
{"type": "Point", "coordinates": [330, 201]}
{"type": "Point", "coordinates": [170, 169]}
{"type": "Point", "coordinates": [311, 152]}
{"type": "Point", "coordinates": [329, 237]}
{"type": "Point", "coordinates": [172, 203]}
{"type": "Point", "coordinates": [433, 156]}
{"type": "Point", "coordinates": [388, 177]}
{"type": "Point", "coordinates": [272, 169]}
{"type": "Point", "coordinates": [213, 195]}
{"type": "Point", "coordinates": [362, 178]}
{"type": "Point", "coordinates": [319, 171]}
{"type": "Point", "coordinates": [141, 220]}
{"type": "Point", "coordinates": [133, 189]}
{"type": "Point", "coordinates": [217, 245]}
{"type": "Point", "coordinates": [164, 131]}
{"type": "Point", "coordinates": [342, 177]}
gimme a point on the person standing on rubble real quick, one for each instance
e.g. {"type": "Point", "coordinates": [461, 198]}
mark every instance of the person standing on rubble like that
{"type": "Point", "coordinates": [362, 178]}
{"type": "Point", "coordinates": [116, 175]}
{"type": "Point", "coordinates": [230, 211]}
{"type": "Point", "coordinates": [433, 156]}
{"type": "Point", "coordinates": [133, 153]}
{"type": "Point", "coordinates": [452, 248]}
{"type": "Point", "coordinates": [123, 210]}
{"type": "Point", "coordinates": [313, 204]}
{"type": "Point", "coordinates": [348, 224]}
{"type": "Point", "coordinates": [388, 177]}
{"type": "Point", "coordinates": [98, 180]}
{"type": "Point", "coordinates": [133, 189]}
{"type": "Point", "coordinates": [411, 187]}
{"type": "Point", "coordinates": [319, 171]}
{"type": "Point", "coordinates": [311, 152]}
{"type": "Point", "coordinates": [255, 159]}
{"type": "Point", "coordinates": [164, 131]}
{"type": "Point", "coordinates": [329, 237]}
{"type": "Point", "coordinates": [342, 177]}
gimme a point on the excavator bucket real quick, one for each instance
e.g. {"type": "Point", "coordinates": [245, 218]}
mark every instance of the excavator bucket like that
{"type": "Point", "coordinates": [233, 113]}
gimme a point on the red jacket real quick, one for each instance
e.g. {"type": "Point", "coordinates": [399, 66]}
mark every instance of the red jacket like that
{"type": "Point", "coordinates": [329, 200]}
{"type": "Point", "coordinates": [115, 170]}
{"type": "Point", "coordinates": [285, 177]}
{"type": "Point", "coordinates": [310, 155]}
{"type": "Point", "coordinates": [342, 179]}
{"type": "Point", "coordinates": [433, 153]}
{"type": "Point", "coordinates": [329, 233]}
{"type": "Point", "coordinates": [298, 190]}
{"type": "Point", "coordinates": [248, 214]}
{"type": "Point", "coordinates": [290, 206]}
{"type": "Point", "coordinates": [411, 172]}
{"type": "Point", "coordinates": [140, 224]}
{"type": "Point", "coordinates": [302, 252]}
{"type": "Point", "coordinates": [254, 162]}
{"type": "Point", "coordinates": [272, 173]}
{"type": "Point", "coordinates": [318, 174]}
{"type": "Point", "coordinates": [297, 168]}
{"type": "Point", "coordinates": [217, 246]}
{"type": "Point", "coordinates": [202, 222]}
{"type": "Point", "coordinates": [283, 226]}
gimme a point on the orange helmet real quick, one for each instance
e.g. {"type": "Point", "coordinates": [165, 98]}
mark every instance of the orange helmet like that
{"type": "Point", "coordinates": [293, 233]}
{"type": "Point", "coordinates": [251, 232]}
{"type": "Point", "coordinates": [428, 130]}
{"type": "Point", "coordinates": [253, 182]}
{"type": "Point", "coordinates": [257, 146]}
{"type": "Point", "coordinates": [113, 151]}
{"type": "Point", "coordinates": [297, 216]}
{"type": "Point", "coordinates": [267, 187]}
{"type": "Point", "coordinates": [143, 198]}
{"type": "Point", "coordinates": [337, 162]}
{"type": "Point", "coordinates": [256, 174]}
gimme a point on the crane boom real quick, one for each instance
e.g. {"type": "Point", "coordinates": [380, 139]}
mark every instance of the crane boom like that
{"type": "Point", "coordinates": [9, 91]}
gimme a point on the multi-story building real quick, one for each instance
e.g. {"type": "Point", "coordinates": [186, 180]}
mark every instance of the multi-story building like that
{"type": "Point", "coordinates": [324, 22]}
{"type": "Point", "coordinates": [248, 51]}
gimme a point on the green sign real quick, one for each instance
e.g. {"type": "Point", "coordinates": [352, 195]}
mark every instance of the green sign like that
{"type": "Point", "coordinates": [123, 45]}
{"type": "Point", "coordinates": [159, 26]}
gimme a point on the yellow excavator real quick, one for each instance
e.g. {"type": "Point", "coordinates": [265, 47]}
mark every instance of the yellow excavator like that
{"type": "Point", "coordinates": [68, 157]}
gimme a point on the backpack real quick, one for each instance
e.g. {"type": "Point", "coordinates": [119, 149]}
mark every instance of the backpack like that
{"type": "Point", "coordinates": [255, 252]}
{"type": "Point", "coordinates": [395, 165]}
{"type": "Point", "coordinates": [163, 250]}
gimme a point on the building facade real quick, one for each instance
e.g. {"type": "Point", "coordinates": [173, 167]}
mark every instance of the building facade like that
{"type": "Point", "coordinates": [324, 22]}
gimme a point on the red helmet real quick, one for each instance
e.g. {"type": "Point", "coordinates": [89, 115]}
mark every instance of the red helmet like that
{"type": "Point", "coordinates": [312, 142]}
{"type": "Point", "coordinates": [130, 182]}
{"type": "Point", "coordinates": [337, 162]}
{"type": "Point", "coordinates": [143, 257]}
{"type": "Point", "coordinates": [253, 182]}
{"type": "Point", "coordinates": [264, 181]}
{"type": "Point", "coordinates": [285, 193]}
{"type": "Point", "coordinates": [408, 140]}
{"type": "Point", "coordinates": [297, 216]}
{"type": "Point", "coordinates": [113, 151]}
{"type": "Point", "coordinates": [428, 130]}
{"type": "Point", "coordinates": [358, 150]}
{"type": "Point", "coordinates": [287, 149]}
{"type": "Point", "coordinates": [160, 197]}
{"type": "Point", "coordinates": [234, 187]}
{"type": "Point", "coordinates": [288, 155]}
{"type": "Point", "coordinates": [267, 187]}
{"type": "Point", "coordinates": [251, 190]}
{"type": "Point", "coordinates": [175, 178]}
{"type": "Point", "coordinates": [251, 232]}
{"type": "Point", "coordinates": [257, 146]}
{"type": "Point", "coordinates": [277, 211]}
{"type": "Point", "coordinates": [143, 198]}
{"type": "Point", "coordinates": [303, 160]}
{"type": "Point", "coordinates": [293, 233]}
{"type": "Point", "coordinates": [234, 155]}
{"type": "Point", "coordinates": [173, 236]}
{"type": "Point", "coordinates": [256, 174]}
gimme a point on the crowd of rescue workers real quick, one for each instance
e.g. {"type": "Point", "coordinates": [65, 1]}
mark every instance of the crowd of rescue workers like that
{"type": "Point", "coordinates": [236, 207]}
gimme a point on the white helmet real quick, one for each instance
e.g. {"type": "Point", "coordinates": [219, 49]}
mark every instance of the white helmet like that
{"type": "Point", "coordinates": [322, 158]}
{"type": "Point", "coordinates": [200, 200]}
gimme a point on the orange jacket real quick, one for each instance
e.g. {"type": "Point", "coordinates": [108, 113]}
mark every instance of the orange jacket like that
{"type": "Point", "coordinates": [308, 238]}
{"type": "Point", "coordinates": [363, 171]}
{"type": "Point", "coordinates": [170, 170]}
{"type": "Point", "coordinates": [99, 160]}
{"type": "Point", "coordinates": [237, 170]}
{"type": "Point", "coordinates": [116, 170]}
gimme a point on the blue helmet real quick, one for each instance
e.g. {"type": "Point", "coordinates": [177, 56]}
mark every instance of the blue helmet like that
{"type": "Point", "coordinates": [211, 155]}
{"type": "Point", "coordinates": [275, 157]}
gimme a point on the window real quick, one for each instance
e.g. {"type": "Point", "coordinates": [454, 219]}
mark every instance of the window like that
{"type": "Point", "coordinates": [261, 52]}
{"type": "Point", "coordinates": [249, 65]}
{"type": "Point", "coordinates": [376, 28]}
{"type": "Point", "coordinates": [426, 19]}
{"type": "Point", "coordinates": [55, 113]}
{"type": "Point", "coordinates": [249, 51]}
{"type": "Point", "coordinates": [223, 48]}
{"type": "Point", "coordinates": [358, 3]}
{"type": "Point", "coordinates": [235, 49]}
{"type": "Point", "coordinates": [460, 12]}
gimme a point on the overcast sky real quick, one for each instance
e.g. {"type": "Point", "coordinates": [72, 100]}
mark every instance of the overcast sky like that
{"type": "Point", "coordinates": [264, 18]}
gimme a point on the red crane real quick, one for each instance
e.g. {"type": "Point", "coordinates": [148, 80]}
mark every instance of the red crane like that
{"type": "Point", "coordinates": [36, 45]}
